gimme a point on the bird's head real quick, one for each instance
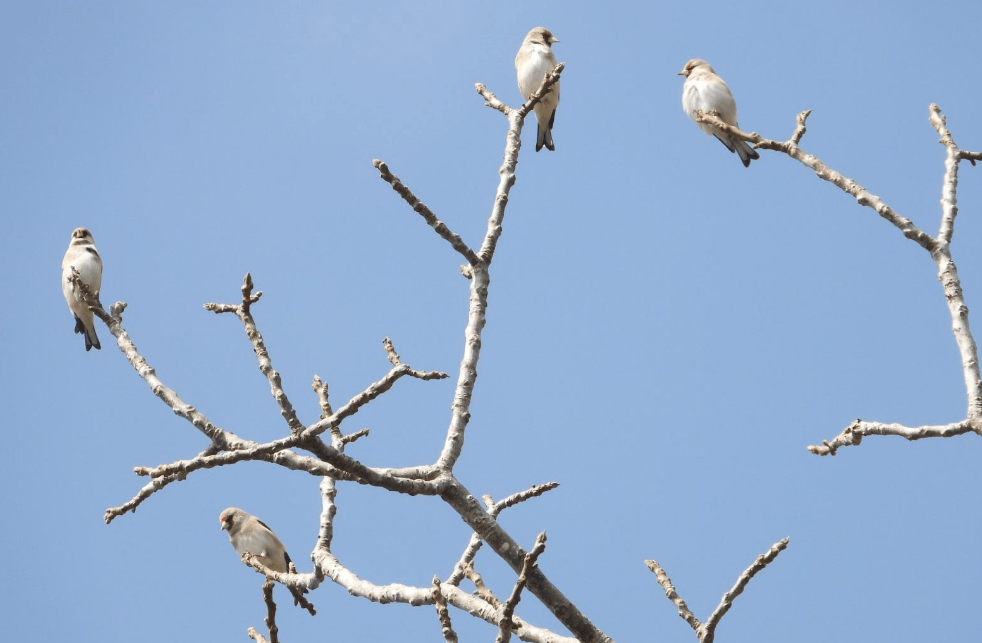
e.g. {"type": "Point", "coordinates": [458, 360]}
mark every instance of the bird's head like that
{"type": "Point", "coordinates": [541, 35]}
{"type": "Point", "coordinates": [692, 64]}
{"type": "Point", "coordinates": [82, 234]}
{"type": "Point", "coordinates": [228, 518]}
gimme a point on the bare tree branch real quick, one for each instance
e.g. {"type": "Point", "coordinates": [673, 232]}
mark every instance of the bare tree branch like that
{"type": "Point", "coordinates": [222, 438]}
{"type": "Point", "coordinates": [506, 624]}
{"type": "Point", "coordinates": [727, 601]}
{"type": "Point", "coordinates": [706, 632]}
{"type": "Point", "coordinates": [940, 250]}
{"type": "Point", "coordinates": [824, 172]}
{"type": "Point", "coordinates": [949, 186]}
{"type": "Point", "coordinates": [853, 434]}
{"type": "Point", "coordinates": [256, 636]}
{"type": "Point", "coordinates": [340, 466]}
{"type": "Point", "coordinates": [513, 142]}
{"type": "Point", "coordinates": [548, 82]}
{"type": "Point", "coordinates": [488, 529]}
{"type": "Point", "coordinates": [373, 391]}
{"type": "Point", "coordinates": [494, 508]}
{"type": "Point", "coordinates": [666, 583]}
{"type": "Point", "coordinates": [406, 594]}
{"type": "Point", "coordinates": [244, 313]}
{"type": "Point", "coordinates": [480, 281]}
{"type": "Point", "coordinates": [323, 398]}
{"type": "Point", "coordinates": [291, 579]}
{"type": "Point", "coordinates": [948, 274]}
{"type": "Point", "coordinates": [480, 589]}
{"type": "Point", "coordinates": [492, 101]}
{"type": "Point", "coordinates": [360, 433]}
{"type": "Point", "coordinates": [443, 613]}
{"type": "Point", "coordinates": [270, 612]}
{"type": "Point", "coordinates": [420, 208]}
{"type": "Point", "coordinates": [332, 465]}
{"type": "Point", "coordinates": [277, 450]}
{"type": "Point", "coordinates": [326, 564]}
{"type": "Point", "coordinates": [150, 488]}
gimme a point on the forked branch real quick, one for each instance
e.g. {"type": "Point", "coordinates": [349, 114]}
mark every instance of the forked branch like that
{"type": "Point", "coordinates": [939, 247]}
{"type": "Point", "coordinates": [706, 632]}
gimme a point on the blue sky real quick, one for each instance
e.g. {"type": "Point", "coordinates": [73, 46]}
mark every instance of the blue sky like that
{"type": "Point", "coordinates": [667, 330]}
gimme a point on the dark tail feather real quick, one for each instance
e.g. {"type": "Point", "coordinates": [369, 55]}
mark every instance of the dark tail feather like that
{"type": "Point", "coordinates": [746, 153]}
{"type": "Point", "coordinates": [90, 340]}
{"type": "Point", "coordinates": [725, 144]}
{"type": "Point", "coordinates": [544, 138]}
{"type": "Point", "coordinates": [544, 135]}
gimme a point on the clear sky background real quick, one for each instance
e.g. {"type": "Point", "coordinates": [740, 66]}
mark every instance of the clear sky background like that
{"type": "Point", "coordinates": [667, 330]}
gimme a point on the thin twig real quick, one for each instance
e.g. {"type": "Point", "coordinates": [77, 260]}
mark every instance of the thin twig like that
{"type": "Point", "coordinates": [323, 396]}
{"type": "Point", "coordinates": [420, 208]}
{"type": "Point", "coordinates": [726, 602]}
{"type": "Point", "coordinates": [351, 437]}
{"type": "Point", "coordinates": [706, 632]}
{"type": "Point", "coordinates": [849, 186]}
{"type": "Point", "coordinates": [507, 624]}
{"type": "Point", "coordinates": [666, 583]}
{"type": "Point", "coordinates": [292, 580]}
{"type": "Point", "coordinates": [440, 603]}
{"type": "Point", "coordinates": [244, 312]}
{"type": "Point", "coordinates": [373, 391]}
{"type": "Point", "coordinates": [270, 612]}
{"type": "Point", "coordinates": [481, 589]}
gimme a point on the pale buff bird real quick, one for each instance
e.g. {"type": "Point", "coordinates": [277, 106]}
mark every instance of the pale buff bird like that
{"type": "Point", "coordinates": [83, 256]}
{"type": "Point", "coordinates": [249, 535]}
{"type": "Point", "coordinates": [704, 90]}
{"type": "Point", "coordinates": [534, 60]}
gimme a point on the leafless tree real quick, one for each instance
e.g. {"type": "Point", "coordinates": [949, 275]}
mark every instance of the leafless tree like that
{"type": "Point", "coordinates": [939, 247]}
{"type": "Point", "coordinates": [319, 448]}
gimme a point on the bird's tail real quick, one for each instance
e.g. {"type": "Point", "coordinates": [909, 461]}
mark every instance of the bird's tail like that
{"type": "Point", "coordinates": [746, 152]}
{"type": "Point", "coordinates": [91, 339]}
{"type": "Point", "coordinates": [544, 134]}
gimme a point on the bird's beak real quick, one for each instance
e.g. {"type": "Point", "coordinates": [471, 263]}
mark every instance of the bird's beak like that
{"type": "Point", "coordinates": [683, 73]}
{"type": "Point", "coordinates": [224, 525]}
{"type": "Point", "coordinates": [554, 39]}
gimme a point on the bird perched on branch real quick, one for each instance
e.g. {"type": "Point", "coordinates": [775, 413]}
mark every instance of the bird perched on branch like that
{"type": "Point", "coordinates": [534, 60]}
{"type": "Point", "coordinates": [704, 90]}
{"type": "Point", "coordinates": [83, 256]}
{"type": "Point", "coordinates": [249, 535]}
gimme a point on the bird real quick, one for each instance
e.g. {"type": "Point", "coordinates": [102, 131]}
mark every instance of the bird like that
{"type": "Point", "coordinates": [534, 60]}
{"type": "Point", "coordinates": [83, 257]}
{"type": "Point", "coordinates": [704, 90]}
{"type": "Point", "coordinates": [250, 535]}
